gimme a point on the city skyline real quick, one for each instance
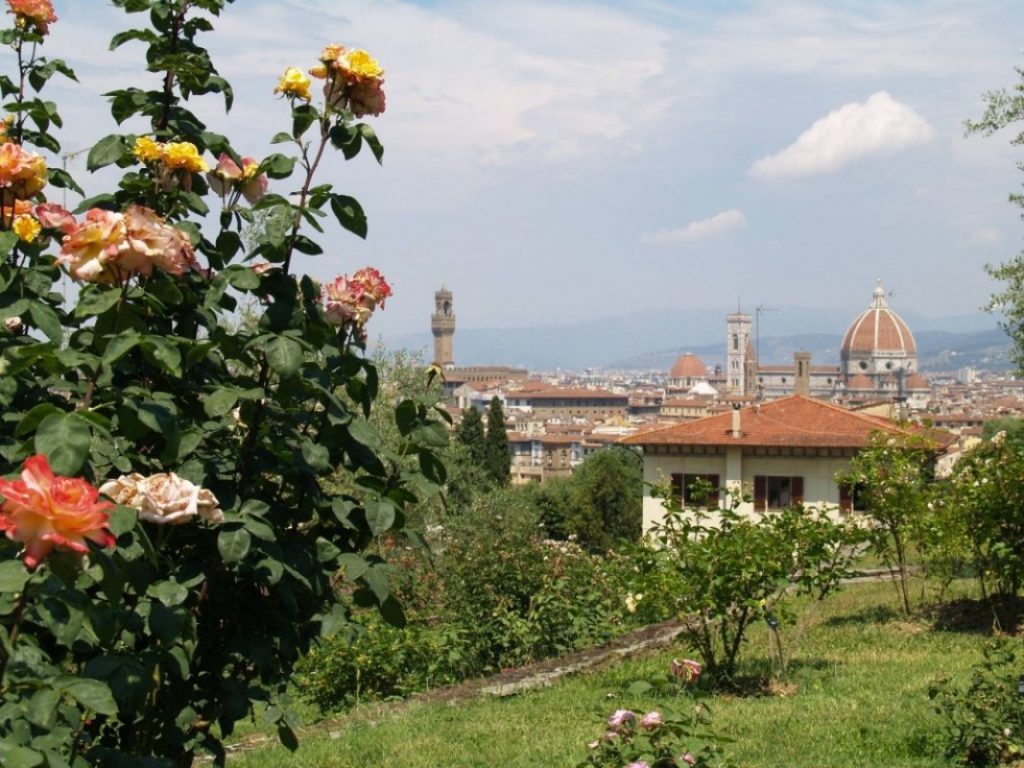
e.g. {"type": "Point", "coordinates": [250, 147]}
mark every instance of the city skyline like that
{"type": "Point", "coordinates": [566, 161]}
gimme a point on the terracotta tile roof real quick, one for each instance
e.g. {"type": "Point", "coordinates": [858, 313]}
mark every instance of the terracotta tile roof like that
{"type": "Point", "coordinates": [790, 421]}
{"type": "Point", "coordinates": [560, 394]}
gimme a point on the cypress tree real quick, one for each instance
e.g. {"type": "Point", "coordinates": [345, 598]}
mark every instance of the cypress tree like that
{"type": "Point", "coordinates": [471, 434]}
{"type": "Point", "coordinates": [498, 460]}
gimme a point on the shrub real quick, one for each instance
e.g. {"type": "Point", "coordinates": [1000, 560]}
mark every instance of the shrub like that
{"type": "Point", "coordinates": [726, 570]}
{"type": "Point", "coordinates": [984, 722]}
{"type": "Point", "coordinates": [986, 496]}
{"type": "Point", "coordinates": [380, 661]}
{"type": "Point", "coordinates": [675, 735]}
{"type": "Point", "coordinates": [140, 634]}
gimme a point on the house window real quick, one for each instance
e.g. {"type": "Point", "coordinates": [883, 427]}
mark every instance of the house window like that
{"type": "Point", "coordinates": [777, 492]}
{"type": "Point", "coordinates": [851, 497]}
{"type": "Point", "coordinates": [695, 489]}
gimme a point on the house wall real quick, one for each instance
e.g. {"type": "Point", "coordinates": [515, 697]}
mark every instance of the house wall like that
{"type": "Point", "coordinates": [736, 465]}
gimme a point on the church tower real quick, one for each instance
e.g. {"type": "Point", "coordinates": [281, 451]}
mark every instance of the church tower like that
{"type": "Point", "coordinates": [442, 324]}
{"type": "Point", "coordinates": [738, 347]}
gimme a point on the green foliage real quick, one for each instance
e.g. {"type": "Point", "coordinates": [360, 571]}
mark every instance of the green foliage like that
{"type": "Point", "coordinates": [893, 475]}
{"type": "Point", "coordinates": [1011, 427]}
{"type": "Point", "coordinates": [494, 594]}
{"type": "Point", "coordinates": [727, 570]}
{"type": "Point", "coordinates": [985, 499]}
{"type": "Point", "coordinates": [150, 653]}
{"type": "Point", "coordinates": [380, 661]}
{"type": "Point", "coordinates": [607, 508]}
{"type": "Point", "coordinates": [497, 458]}
{"type": "Point", "coordinates": [1004, 109]}
{"type": "Point", "coordinates": [983, 724]}
{"type": "Point", "coordinates": [470, 433]}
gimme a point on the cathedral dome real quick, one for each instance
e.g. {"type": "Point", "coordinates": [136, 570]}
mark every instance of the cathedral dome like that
{"type": "Point", "coordinates": [688, 366]}
{"type": "Point", "coordinates": [878, 331]}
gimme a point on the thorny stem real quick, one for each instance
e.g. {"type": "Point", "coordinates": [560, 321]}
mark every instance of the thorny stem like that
{"type": "Point", "coordinates": [168, 95]}
{"type": "Point", "coordinates": [15, 630]}
{"type": "Point", "coordinates": [304, 192]}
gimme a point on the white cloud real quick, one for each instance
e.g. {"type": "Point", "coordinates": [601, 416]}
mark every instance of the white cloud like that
{"type": "Point", "coordinates": [697, 230]}
{"type": "Point", "coordinates": [881, 125]}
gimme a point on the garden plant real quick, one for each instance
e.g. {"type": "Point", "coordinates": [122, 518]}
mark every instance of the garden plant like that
{"type": "Point", "coordinates": [171, 546]}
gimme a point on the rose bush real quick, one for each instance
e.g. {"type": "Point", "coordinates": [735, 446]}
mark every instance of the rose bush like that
{"type": "Point", "coordinates": [137, 629]}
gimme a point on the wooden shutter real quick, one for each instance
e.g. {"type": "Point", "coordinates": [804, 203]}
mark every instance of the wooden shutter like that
{"type": "Point", "coordinates": [760, 493]}
{"type": "Point", "coordinates": [796, 490]}
{"type": "Point", "coordinates": [677, 489]}
{"type": "Point", "coordinates": [713, 501]}
{"type": "Point", "coordinates": [845, 498]}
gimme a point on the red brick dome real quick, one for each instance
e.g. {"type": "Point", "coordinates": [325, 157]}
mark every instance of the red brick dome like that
{"type": "Point", "coordinates": [688, 366]}
{"type": "Point", "coordinates": [878, 330]}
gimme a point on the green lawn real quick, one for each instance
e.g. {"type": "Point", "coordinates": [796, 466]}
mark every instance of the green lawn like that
{"type": "Point", "coordinates": [857, 697]}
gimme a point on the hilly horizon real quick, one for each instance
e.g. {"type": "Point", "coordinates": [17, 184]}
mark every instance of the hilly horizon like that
{"type": "Point", "coordinates": [652, 339]}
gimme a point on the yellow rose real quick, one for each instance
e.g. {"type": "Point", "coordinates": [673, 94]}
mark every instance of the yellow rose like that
{"type": "Point", "coordinates": [361, 64]}
{"type": "Point", "coordinates": [26, 227]}
{"type": "Point", "coordinates": [294, 83]}
{"type": "Point", "coordinates": [319, 71]}
{"type": "Point", "coordinates": [146, 150]}
{"type": "Point", "coordinates": [183, 155]}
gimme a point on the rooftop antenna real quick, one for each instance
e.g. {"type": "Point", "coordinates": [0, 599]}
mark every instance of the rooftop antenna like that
{"type": "Point", "coordinates": [64, 204]}
{"type": "Point", "coordinates": [758, 311]}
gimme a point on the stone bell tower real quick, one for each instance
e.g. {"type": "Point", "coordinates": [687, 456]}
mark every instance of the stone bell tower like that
{"type": "Point", "coordinates": [442, 324]}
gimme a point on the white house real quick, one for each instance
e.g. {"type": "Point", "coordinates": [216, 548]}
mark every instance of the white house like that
{"type": "Point", "coordinates": [783, 452]}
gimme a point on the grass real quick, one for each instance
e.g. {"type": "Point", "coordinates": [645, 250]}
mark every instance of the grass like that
{"type": "Point", "coordinates": [856, 696]}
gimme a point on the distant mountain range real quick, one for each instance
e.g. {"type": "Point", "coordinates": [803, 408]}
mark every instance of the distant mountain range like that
{"type": "Point", "coordinates": [653, 339]}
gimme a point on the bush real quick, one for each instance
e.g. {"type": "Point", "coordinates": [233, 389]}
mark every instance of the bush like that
{"type": "Point", "coordinates": [984, 722]}
{"type": "Point", "coordinates": [495, 594]}
{"type": "Point", "coordinates": [139, 633]}
{"type": "Point", "coordinates": [728, 570]}
{"type": "Point", "coordinates": [986, 496]}
{"type": "Point", "coordinates": [380, 661]}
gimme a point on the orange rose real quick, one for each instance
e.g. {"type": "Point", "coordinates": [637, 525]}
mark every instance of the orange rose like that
{"type": "Point", "coordinates": [153, 242]}
{"type": "Point", "coordinates": [46, 512]}
{"type": "Point", "coordinates": [38, 13]}
{"type": "Point", "coordinates": [22, 172]}
{"type": "Point", "coordinates": [92, 247]}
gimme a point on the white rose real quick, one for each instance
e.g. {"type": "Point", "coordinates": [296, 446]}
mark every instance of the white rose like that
{"type": "Point", "coordinates": [126, 490]}
{"type": "Point", "coordinates": [168, 498]}
{"type": "Point", "coordinates": [13, 324]}
{"type": "Point", "coordinates": [164, 498]}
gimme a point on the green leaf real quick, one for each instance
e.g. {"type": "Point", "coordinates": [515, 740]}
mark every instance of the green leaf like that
{"type": "Point", "coordinates": [109, 149]}
{"type": "Point", "coordinates": [169, 593]}
{"type": "Point", "coordinates": [364, 432]}
{"type": "Point", "coordinates": [91, 694]}
{"type": "Point", "coordinates": [354, 565]}
{"type": "Point", "coordinates": [13, 575]}
{"type": "Point", "coordinates": [243, 278]}
{"type": "Point", "coordinates": [162, 353]}
{"type": "Point", "coordinates": [284, 356]}
{"type": "Point", "coordinates": [42, 707]}
{"type": "Point", "coordinates": [96, 301]}
{"type": "Point", "coordinates": [12, 756]}
{"type": "Point", "coordinates": [233, 545]}
{"type": "Point", "coordinates": [370, 136]}
{"type": "Point", "coordinates": [46, 320]}
{"type": "Point", "coordinates": [349, 214]}
{"type": "Point", "coordinates": [30, 421]}
{"type": "Point", "coordinates": [120, 345]}
{"type": "Point", "coordinates": [391, 611]}
{"type": "Point", "coordinates": [380, 516]}
{"type": "Point", "coordinates": [220, 402]}
{"type": "Point", "coordinates": [334, 621]}
{"type": "Point", "coordinates": [65, 439]}
{"type": "Point", "coordinates": [122, 520]}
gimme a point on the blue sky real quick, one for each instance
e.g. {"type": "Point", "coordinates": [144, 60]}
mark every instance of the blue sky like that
{"type": "Point", "coordinates": [571, 160]}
